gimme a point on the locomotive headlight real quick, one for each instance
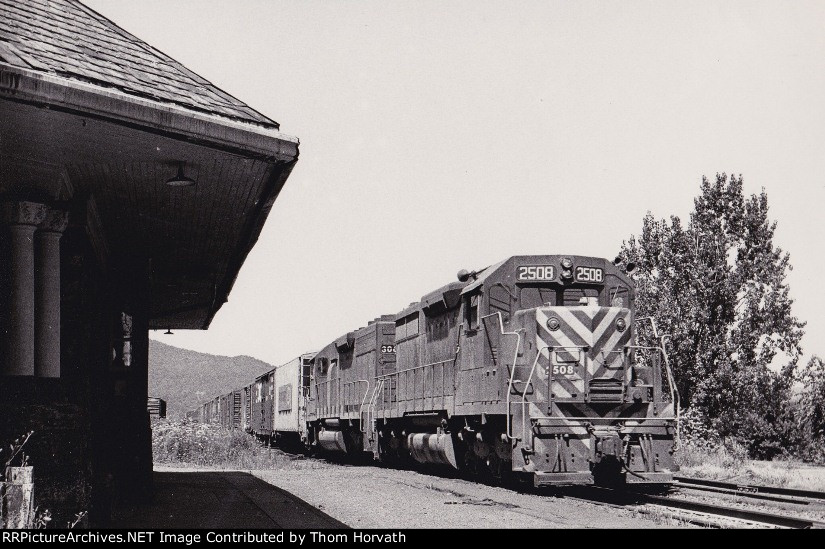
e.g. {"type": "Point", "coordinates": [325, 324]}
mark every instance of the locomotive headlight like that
{"type": "Point", "coordinates": [553, 324]}
{"type": "Point", "coordinates": [566, 268]}
{"type": "Point", "coordinates": [621, 324]}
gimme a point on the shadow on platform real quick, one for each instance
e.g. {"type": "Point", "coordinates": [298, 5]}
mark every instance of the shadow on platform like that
{"type": "Point", "coordinates": [221, 499]}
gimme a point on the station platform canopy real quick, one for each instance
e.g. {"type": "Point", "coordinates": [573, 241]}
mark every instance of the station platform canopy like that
{"type": "Point", "coordinates": [91, 114]}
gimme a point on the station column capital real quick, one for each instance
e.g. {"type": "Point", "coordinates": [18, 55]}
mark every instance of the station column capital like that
{"type": "Point", "coordinates": [54, 220]}
{"type": "Point", "coordinates": [22, 213]}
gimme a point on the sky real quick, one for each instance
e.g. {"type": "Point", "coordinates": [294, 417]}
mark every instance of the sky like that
{"type": "Point", "coordinates": [437, 136]}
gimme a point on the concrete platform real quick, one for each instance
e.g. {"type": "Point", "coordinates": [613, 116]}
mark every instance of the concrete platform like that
{"type": "Point", "coordinates": [221, 499]}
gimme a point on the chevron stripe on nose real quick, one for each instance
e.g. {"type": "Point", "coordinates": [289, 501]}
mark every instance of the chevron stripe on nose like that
{"type": "Point", "coordinates": [588, 327]}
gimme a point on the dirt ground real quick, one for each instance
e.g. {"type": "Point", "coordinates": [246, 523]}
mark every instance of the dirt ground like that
{"type": "Point", "coordinates": [375, 497]}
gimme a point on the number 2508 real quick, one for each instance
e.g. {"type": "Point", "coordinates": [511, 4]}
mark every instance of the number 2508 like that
{"type": "Point", "coordinates": [589, 274]}
{"type": "Point", "coordinates": [536, 272]}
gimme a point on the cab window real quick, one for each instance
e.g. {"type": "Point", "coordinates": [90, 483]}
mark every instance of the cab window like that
{"type": "Point", "coordinates": [572, 297]}
{"type": "Point", "coordinates": [531, 297]}
{"type": "Point", "coordinates": [471, 311]}
{"type": "Point", "coordinates": [619, 297]}
{"type": "Point", "coordinates": [618, 293]}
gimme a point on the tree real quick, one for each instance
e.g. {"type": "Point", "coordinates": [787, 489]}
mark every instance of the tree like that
{"type": "Point", "coordinates": [811, 408]}
{"type": "Point", "coordinates": [718, 287]}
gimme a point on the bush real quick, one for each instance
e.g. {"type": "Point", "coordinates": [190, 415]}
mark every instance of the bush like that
{"type": "Point", "coordinates": [729, 454]}
{"type": "Point", "coordinates": [809, 410]}
{"type": "Point", "coordinates": [205, 444]}
{"type": "Point", "coordinates": [694, 429]}
{"type": "Point", "coordinates": [701, 445]}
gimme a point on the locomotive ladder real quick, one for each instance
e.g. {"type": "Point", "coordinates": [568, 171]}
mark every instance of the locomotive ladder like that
{"type": "Point", "coordinates": [524, 402]}
{"type": "Point", "coordinates": [371, 406]}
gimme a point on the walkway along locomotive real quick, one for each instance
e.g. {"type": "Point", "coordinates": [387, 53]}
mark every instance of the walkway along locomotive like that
{"type": "Point", "coordinates": [535, 366]}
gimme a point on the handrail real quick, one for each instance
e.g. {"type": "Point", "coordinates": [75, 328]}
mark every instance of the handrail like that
{"type": "Point", "coordinates": [363, 400]}
{"type": "Point", "coordinates": [674, 391]}
{"type": "Point", "coordinates": [608, 420]}
{"type": "Point", "coordinates": [379, 393]}
{"type": "Point", "coordinates": [524, 402]}
{"type": "Point", "coordinates": [379, 385]}
{"type": "Point", "coordinates": [431, 365]}
{"type": "Point", "coordinates": [390, 374]}
{"type": "Point", "coordinates": [508, 430]}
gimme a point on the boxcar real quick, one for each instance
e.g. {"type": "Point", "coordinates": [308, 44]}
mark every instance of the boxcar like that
{"type": "Point", "coordinates": [290, 402]}
{"type": "Point", "coordinates": [262, 406]}
{"type": "Point", "coordinates": [245, 408]}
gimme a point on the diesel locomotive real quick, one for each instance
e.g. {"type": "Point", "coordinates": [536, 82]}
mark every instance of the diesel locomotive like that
{"type": "Point", "coordinates": [534, 367]}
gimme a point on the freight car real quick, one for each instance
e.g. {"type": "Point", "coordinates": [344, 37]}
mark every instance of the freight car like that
{"type": "Point", "coordinates": [156, 407]}
{"type": "Point", "coordinates": [262, 406]}
{"type": "Point", "coordinates": [273, 407]}
{"type": "Point", "coordinates": [534, 367]}
{"type": "Point", "coordinates": [291, 393]}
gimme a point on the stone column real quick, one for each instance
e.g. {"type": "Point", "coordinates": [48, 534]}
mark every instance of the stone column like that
{"type": "Point", "coordinates": [47, 293]}
{"type": "Point", "coordinates": [22, 219]}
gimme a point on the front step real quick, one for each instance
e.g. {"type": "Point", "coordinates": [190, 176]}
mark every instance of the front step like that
{"type": "Point", "coordinates": [562, 479]}
{"type": "Point", "coordinates": [662, 477]}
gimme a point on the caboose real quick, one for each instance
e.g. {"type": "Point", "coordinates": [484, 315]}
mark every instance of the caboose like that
{"type": "Point", "coordinates": [532, 366]}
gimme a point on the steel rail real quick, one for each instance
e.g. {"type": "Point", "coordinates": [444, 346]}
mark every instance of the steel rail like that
{"type": "Point", "coordinates": [749, 489]}
{"type": "Point", "coordinates": [696, 512]}
{"type": "Point", "coordinates": [739, 493]}
{"type": "Point", "coordinates": [750, 515]}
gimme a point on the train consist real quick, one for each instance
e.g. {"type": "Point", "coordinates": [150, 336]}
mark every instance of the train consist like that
{"type": "Point", "coordinates": [535, 367]}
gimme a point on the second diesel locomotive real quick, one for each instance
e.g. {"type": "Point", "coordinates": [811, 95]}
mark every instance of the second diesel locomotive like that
{"type": "Point", "coordinates": [535, 366]}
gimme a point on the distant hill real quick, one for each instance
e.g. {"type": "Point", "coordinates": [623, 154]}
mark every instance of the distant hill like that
{"type": "Point", "coordinates": [186, 378]}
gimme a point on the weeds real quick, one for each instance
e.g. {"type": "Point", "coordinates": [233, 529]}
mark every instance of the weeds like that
{"type": "Point", "coordinates": [41, 518]}
{"type": "Point", "coordinates": [16, 448]}
{"type": "Point", "coordinates": [726, 454]}
{"type": "Point", "coordinates": [77, 518]}
{"type": "Point", "coordinates": [23, 504]}
{"type": "Point", "coordinates": [727, 461]}
{"type": "Point", "coordinates": [204, 444]}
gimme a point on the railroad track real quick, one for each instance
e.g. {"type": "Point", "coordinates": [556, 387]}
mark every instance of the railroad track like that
{"type": "Point", "coordinates": [772, 493]}
{"type": "Point", "coordinates": [714, 515]}
{"type": "Point", "coordinates": [748, 517]}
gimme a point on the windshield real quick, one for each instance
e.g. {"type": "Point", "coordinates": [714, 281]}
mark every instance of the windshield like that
{"type": "Point", "coordinates": [534, 296]}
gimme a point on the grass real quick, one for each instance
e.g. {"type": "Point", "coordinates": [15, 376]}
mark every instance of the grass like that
{"type": "Point", "coordinates": [189, 443]}
{"type": "Point", "coordinates": [662, 518]}
{"type": "Point", "coordinates": [192, 444]}
{"type": "Point", "coordinates": [700, 455]}
{"type": "Point", "coordinates": [728, 462]}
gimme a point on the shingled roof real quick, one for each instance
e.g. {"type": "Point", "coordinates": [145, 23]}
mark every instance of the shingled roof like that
{"type": "Point", "coordinates": [67, 39]}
